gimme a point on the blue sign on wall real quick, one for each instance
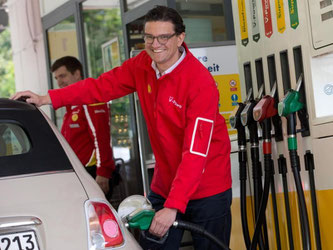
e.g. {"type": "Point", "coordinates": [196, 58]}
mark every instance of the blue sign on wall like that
{"type": "Point", "coordinates": [234, 98]}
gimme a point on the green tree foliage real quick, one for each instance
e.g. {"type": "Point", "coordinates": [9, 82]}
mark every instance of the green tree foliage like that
{"type": "Point", "coordinates": [101, 26]}
{"type": "Point", "coordinates": [7, 80]}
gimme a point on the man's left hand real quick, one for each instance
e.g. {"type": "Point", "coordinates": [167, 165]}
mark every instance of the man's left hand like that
{"type": "Point", "coordinates": [162, 221]}
{"type": "Point", "coordinates": [103, 182]}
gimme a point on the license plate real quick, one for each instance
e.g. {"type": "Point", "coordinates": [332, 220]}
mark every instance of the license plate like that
{"type": "Point", "coordinates": [19, 241]}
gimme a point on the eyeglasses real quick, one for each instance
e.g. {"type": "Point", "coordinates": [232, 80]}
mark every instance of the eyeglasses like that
{"type": "Point", "coordinates": [162, 39]}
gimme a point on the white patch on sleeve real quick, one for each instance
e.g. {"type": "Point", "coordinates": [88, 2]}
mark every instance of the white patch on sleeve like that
{"type": "Point", "coordinates": [201, 137]}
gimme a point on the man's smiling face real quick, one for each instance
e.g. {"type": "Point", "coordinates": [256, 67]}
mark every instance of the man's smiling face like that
{"type": "Point", "coordinates": [164, 55]}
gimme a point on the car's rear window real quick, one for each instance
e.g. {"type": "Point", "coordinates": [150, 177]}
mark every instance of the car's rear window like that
{"type": "Point", "coordinates": [28, 145]}
{"type": "Point", "coordinates": [13, 140]}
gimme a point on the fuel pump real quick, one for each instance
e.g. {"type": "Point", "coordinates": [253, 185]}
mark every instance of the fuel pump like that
{"type": "Point", "coordinates": [247, 120]}
{"type": "Point", "coordinates": [235, 123]}
{"type": "Point", "coordinates": [308, 156]}
{"type": "Point", "coordinates": [288, 107]}
{"type": "Point", "coordinates": [263, 113]}
{"type": "Point", "coordinates": [136, 212]}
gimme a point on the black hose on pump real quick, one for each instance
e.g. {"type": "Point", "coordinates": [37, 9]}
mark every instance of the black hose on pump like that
{"type": "Point", "coordinates": [247, 120]}
{"type": "Point", "coordinates": [235, 122]}
{"type": "Point", "coordinates": [268, 165]}
{"type": "Point", "coordinates": [309, 166]}
{"type": "Point", "coordinates": [199, 230]}
{"type": "Point", "coordinates": [282, 163]}
{"type": "Point", "coordinates": [295, 166]}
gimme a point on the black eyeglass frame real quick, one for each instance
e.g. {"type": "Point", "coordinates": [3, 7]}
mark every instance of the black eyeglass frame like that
{"type": "Point", "coordinates": [165, 38]}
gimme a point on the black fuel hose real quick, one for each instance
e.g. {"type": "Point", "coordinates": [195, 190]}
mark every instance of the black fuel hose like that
{"type": "Point", "coordinates": [268, 165]}
{"type": "Point", "coordinates": [294, 159]}
{"type": "Point", "coordinates": [275, 213]}
{"type": "Point", "coordinates": [282, 162]}
{"type": "Point", "coordinates": [263, 203]}
{"type": "Point", "coordinates": [242, 159]}
{"type": "Point", "coordinates": [309, 166]}
{"type": "Point", "coordinates": [245, 226]}
{"type": "Point", "coordinates": [199, 230]}
{"type": "Point", "coordinates": [257, 182]}
{"type": "Point", "coordinates": [295, 166]}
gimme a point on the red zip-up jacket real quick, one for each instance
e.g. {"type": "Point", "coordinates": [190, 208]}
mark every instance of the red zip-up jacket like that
{"type": "Point", "coordinates": [87, 130]}
{"type": "Point", "coordinates": [188, 136]}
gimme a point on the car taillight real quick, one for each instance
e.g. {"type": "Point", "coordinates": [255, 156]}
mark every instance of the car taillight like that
{"type": "Point", "coordinates": [104, 230]}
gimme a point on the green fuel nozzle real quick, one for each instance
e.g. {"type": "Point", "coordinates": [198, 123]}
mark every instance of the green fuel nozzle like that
{"type": "Point", "coordinates": [141, 219]}
{"type": "Point", "coordinates": [290, 103]}
{"type": "Point", "coordinates": [136, 212]}
{"type": "Point", "coordinates": [288, 107]}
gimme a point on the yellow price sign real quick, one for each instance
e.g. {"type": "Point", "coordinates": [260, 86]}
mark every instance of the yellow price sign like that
{"type": "Point", "coordinates": [280, 16]}
{"type": "Point", "coordinates": [243, 22]}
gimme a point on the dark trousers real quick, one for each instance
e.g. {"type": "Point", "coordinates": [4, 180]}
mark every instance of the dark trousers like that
{"type": "Point", "coordinates": [213, 213]}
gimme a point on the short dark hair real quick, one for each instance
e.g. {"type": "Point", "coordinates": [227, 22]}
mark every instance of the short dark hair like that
{"type": "Point", "coordinates": [71, 63]}
{"type": "Point", "coordinates": [166, 14]}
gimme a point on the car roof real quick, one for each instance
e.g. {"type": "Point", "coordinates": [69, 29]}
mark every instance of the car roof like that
{"type": "Point", "coordinates": [8, 104]}
{"type": "Point", "coordinates": [45, 154]}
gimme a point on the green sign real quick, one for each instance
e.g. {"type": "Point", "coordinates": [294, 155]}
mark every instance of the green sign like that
{"type": "Point", "coordinates": [293, 12]}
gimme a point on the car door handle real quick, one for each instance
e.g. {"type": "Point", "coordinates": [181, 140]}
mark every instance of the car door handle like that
{"type": "Point", "coordinates": [12, 222]}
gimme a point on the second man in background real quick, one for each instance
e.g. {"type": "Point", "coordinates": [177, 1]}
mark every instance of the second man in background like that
{"type": "Point", "coordinates": [86, 127]}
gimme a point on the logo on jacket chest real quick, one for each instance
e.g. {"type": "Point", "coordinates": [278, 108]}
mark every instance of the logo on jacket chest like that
{"type": "Point", "coordinates": [75, 114]}
{"type": "Point", "coordinates": [174, 102]}
{"type": "Point", "coordinates": [75, 117]}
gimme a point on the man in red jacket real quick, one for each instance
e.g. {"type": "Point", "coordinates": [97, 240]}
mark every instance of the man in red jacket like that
{"type": "Point", "coordinates": [189, 138]}
{"type": "Point", "coordinates": [86, 127]}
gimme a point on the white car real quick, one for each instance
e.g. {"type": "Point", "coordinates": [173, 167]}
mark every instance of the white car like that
{"type": "Point", "coordinates": [48, 200]}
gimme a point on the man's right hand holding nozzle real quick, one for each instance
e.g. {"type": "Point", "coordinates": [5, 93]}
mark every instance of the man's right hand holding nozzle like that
{"type": "Point", "coordinates": [30, 97]}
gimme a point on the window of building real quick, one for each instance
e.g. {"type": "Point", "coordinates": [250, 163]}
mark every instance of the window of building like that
{"type": "Point", "coordinates": [105, 51]}
{"type": "Point", "coordinates": [206, 20]}
{"type": "Point", "coordinates": [132, 4]}
{"type": "Point", "coordinates": [103, 36]}
{"type": "Point", "coordinates": [62, 41]}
